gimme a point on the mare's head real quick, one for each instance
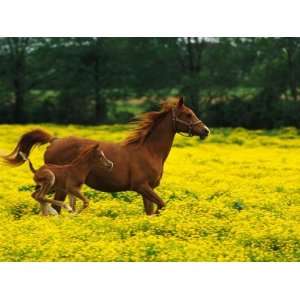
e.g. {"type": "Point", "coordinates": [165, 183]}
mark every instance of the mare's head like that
{"type": "Point", "coordinates": [186, 121]}
{"type": "Point", "coordinates": [99, 156]}
{"type": "Point", "coordinates": [182, 117]}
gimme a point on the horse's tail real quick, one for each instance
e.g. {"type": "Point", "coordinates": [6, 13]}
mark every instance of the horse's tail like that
{"type": "Point", "coordinates": [27, 141]}
{"type": "Point", "coordinates": [25, 158]}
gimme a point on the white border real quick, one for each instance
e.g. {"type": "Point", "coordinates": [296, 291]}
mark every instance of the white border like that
{"type": "Point", "coordinates": [149, 18]}
{"type": "Point", "coordinates": [150, 281]}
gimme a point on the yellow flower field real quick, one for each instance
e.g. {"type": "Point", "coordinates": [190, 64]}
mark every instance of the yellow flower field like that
{"type": "Point", "coordinates": [232, 197]}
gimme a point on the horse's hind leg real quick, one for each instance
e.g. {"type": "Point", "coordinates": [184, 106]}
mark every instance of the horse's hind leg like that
{"type": "Point", "coordinates": [72, 201]}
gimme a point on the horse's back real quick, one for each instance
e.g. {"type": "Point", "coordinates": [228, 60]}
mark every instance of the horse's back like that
{"type": "Point", "coordinates": [64, 150]}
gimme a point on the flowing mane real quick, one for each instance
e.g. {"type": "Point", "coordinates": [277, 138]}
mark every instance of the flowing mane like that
{"type": "Point", "coordinates": [146, 122]}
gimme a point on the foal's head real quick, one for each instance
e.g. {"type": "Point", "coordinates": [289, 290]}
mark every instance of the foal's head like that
{"type": "Point", "coordinates": [185, 120]}
{"type": "Point", "coordinates": [97, 155]}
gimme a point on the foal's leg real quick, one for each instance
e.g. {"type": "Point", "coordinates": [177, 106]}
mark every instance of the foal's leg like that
{"type": "Point", "coordinates": [60, 195]}
{"type": "Point", "coordinates": [58, 203]}
{"type": "Point", "coordinates": [46, 181]}
{"type": "Point", "coordinates": [46, 208]}
{"type": "Point", "coordinates": [43, 206]}
{"type": "Point", "coordinates": [40, 194]}
{"type": "Point", "coordinates": [50, 209]}
{"type": "Point", "coordinates": [146, 191]}
{"type": "Point", "coordinates": [76, 192]}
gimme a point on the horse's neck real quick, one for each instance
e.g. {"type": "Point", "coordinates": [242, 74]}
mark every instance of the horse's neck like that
{"type": "Point", "coordinates": [160, 140]}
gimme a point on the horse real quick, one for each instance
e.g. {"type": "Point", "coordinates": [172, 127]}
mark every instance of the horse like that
{"type": "Point", "coordinates": [68, 178]}
{"type": "Point", "coordinates": [138, 160]}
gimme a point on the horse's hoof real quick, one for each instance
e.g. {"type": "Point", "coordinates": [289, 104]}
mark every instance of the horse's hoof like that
{"type": "Point", "coordinates": [52, 211]}
{"type": "Point", "coordinates": [68, 208]}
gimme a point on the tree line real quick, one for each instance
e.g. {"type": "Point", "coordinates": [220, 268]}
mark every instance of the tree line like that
{"type": "Point", "coordinates": [250, 82]}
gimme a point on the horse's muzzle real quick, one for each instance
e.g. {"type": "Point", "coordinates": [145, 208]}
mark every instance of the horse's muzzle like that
{"type": "Point", "coordinates": [204, 132]}
{"type": "Point", "coordinates": [109, 165]}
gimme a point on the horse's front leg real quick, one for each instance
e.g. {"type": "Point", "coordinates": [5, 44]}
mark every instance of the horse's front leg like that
{"type": "Point", "coordinates": [147, 192]}
{"type": "Point", "coordinates": [148, 206]}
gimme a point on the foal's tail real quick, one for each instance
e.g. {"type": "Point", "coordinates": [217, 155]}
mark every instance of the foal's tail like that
{"type": "Point", "coordinates": [27, 141]}
{"type": "Point", "coordinates": [33, 170]}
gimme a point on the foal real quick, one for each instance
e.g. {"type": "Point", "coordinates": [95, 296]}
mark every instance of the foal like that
{"type": "Point", "coordinates": [68, 178]}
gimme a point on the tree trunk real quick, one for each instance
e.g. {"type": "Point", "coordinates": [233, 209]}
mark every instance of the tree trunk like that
{"type": "Point", "coordinates": [19, 90]}
{"type": "Point", "coordinates": [292, 77]}
{"type": "Point", "coordinates": [192, 92]}
{"type": "Point", "coordinates": [100, 108]}
{"type": "Point", "coordinates": [195, 100]}
{"type": "Point", "coordinates": [191, 88]}
{"type": "Point", "coordinates": [17, 51]}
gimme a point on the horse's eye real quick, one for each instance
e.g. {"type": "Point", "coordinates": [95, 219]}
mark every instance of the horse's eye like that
{"type": "Point", "coordinates": [189, 115]}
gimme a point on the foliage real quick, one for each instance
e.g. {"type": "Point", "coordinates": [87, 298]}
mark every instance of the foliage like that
{"type": "Point", "coordinates": [52, 79]}
{"type": "Point", "coordinates": [233, 197]}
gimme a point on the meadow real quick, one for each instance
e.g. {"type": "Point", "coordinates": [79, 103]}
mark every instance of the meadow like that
{"type": "Point", "coordinates": [232, 197]}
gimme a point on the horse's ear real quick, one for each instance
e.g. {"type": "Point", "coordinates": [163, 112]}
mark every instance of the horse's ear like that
{"type": "Point", "coordinates": [180, 102]}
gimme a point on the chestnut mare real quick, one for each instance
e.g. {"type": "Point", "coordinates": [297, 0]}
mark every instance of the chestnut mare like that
{"type": "Point", "coordinates": [138, 160]}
